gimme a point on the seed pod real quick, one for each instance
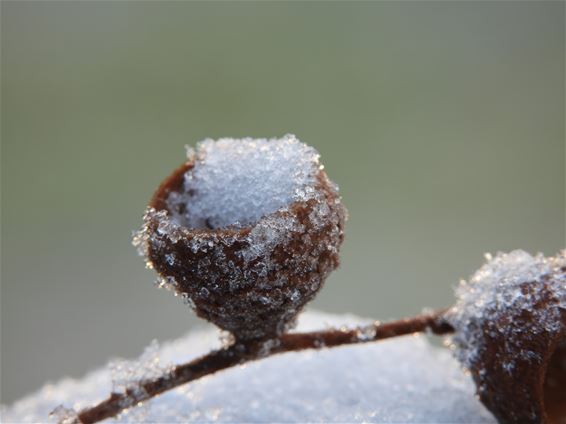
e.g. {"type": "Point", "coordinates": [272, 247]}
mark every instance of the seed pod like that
{"type": "Point", "coordinates": [247, 231]}
{"type": "Point", "coordinates": [510, 322]}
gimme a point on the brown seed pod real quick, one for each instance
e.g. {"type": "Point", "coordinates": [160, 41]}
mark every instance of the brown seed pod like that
{"type": "Point", "coordinates": [249, 278]}
{"type": "Point", "coordinates": [510, 322]}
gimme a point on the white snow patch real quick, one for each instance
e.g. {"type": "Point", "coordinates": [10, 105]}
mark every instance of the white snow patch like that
{"type": "Point", "coordinates": [238, 181]}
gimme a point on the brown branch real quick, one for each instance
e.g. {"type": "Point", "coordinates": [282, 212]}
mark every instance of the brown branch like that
{"type": "Point", "coordinates": [241, 352]}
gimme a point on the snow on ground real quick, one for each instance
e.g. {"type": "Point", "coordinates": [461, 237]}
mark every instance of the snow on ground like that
{"type": "Point", "coordinates": [401, 380]}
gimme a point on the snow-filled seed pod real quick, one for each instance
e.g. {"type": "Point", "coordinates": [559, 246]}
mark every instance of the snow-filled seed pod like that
{"type": "Point", "coordinates": [246, 231]}
{"type": "Point", "coordinates": [510, 332]}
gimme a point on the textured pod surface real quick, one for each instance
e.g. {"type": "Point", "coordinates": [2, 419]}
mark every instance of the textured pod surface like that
{"type": "Point", "coordinates": [510, 322]}
{"type": "Point", "coordinates": [250, 279]}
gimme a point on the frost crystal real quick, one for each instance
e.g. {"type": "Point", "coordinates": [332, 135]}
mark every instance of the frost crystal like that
{"type": "Point", "coordinates": [402, 380]}
{"type": "Point", "coordinates": [126, 375]}
{"type": "Point", "coordinates": [62, 415]}
{"type": "Point", "coordinates": [508, 285]}
{"type": "Point", "coordinates": [238, 181]}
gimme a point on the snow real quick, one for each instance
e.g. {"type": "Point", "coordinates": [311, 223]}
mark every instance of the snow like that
{"type": "Point", "coordinates": [398, 380]}
{"type": "Point", "coordinates": [236, 182]}
{"type": "Point", "coordinates": [496, 291]}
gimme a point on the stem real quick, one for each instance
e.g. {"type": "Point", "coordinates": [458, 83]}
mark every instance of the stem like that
{"type": "Point", "coordinates": [245, 351]}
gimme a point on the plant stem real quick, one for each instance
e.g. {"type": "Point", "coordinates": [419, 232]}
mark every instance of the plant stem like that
{"type": "Point", "coordinates": [245, 351]}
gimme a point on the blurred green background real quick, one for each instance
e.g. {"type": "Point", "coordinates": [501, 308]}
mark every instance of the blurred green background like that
{"type": "Point", "coordinates": [442, 122]}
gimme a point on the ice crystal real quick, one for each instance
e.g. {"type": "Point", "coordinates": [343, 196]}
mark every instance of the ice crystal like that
{"type": "Point", "coordinates": [126, 375]}
{"type": "Point", "coordinates": [63, 415]}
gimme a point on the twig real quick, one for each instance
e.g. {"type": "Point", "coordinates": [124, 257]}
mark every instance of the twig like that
{"type": "Point", "coordinates": [241, 352]}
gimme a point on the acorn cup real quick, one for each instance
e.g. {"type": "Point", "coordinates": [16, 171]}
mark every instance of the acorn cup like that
{"type": "Point", "coordinates": [251, 279]}
{"type": "Point", "coordinates": [510, 332]}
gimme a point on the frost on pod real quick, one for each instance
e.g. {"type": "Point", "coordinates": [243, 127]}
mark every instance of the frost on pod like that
{"type": "Point", "coordinates": [510, 322]}
{"type": "Point", "coordinates": [246, 231]}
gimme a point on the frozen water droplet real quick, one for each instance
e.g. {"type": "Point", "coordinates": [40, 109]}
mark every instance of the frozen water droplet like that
{"type": "Point", "coordinates": [296, 295]}
{"type": "Point", "coordinates": [267, 347]}
{"type": "Point", "coordinates": [366, 333]}
{"type": "Point", "coordinates": [187, 300]}
{"type": "Point", "coordinates": [170, 259]}
{"type": "Point", "coordinates": [63, 415]}
{"type": "Point", "coordinates": [226, 338]}
{"type": "Point", "coordinates": [190, 152]}
{"type": "Point", "coordinates": [168, 283]}
{"type": "Point", "coordinates": [264, 300]}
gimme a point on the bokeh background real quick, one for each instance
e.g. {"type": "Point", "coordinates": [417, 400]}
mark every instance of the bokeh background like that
{"type": "Point", "coordinates": [442, 122]}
